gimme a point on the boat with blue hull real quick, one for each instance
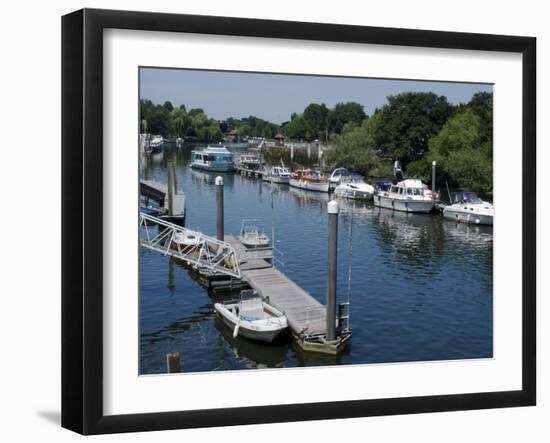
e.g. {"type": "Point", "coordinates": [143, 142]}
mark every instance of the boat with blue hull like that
{"type": "Point", "coordinates": [213, 158]}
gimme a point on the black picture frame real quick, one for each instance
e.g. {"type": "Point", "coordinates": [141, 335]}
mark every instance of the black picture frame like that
{"type": "Point", "coordinates": [82, 188]}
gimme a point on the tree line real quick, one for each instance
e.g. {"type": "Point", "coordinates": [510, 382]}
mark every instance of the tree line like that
{"type": "Point", "coordinates": [415, 128]}
{"type": "Point", "coordinates": [418, 128]}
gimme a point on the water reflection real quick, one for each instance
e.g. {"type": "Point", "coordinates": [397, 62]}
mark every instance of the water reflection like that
{"type": "Point", "coordinates": [421, 286]}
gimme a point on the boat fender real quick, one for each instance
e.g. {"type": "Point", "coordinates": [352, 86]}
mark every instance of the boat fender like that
{"type": "Point", "coordinates": [236, 330]}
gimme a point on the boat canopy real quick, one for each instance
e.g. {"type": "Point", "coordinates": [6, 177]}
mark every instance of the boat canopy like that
{"type": "Point", "coordinates": [464, 197]}
{"type": "Point", "coordinates": [411, 183]}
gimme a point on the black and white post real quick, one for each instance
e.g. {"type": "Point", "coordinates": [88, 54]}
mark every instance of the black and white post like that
{"type": "Point", "coordinates": [433, 178]}
{"type": "Point", "coordinates": [332, 209]}
{"type": "Point", "coordinates": [219, 206]}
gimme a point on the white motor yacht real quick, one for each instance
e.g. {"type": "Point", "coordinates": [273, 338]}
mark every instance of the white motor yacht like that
{"type": "Point", "coordinates": [408, 195]}
{"type": "Point", "coordinates": [337, 176]}
{"type": "Point", "coordinates": [354, 187]}
{"type": "Point", "coordinates": [467, 207]}
{"type": "Point", "coordinates": [213, 158]}
{"type": "Point", "coordinates": [277, 174]}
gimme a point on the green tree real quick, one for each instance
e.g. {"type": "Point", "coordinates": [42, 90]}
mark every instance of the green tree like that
{"type": "Point", "coordinates": [461, 154]}
{"type": "Point", "coordinates": [407, 123]}
{"type": "Point", "coordinates": [354, 149]}
{"type": "Point", "coordinates": [298, 129]}
{"type": "Point", "coordinates": [343, 113]}
{"type": "Point", "coordinates": [168, 106]}
{"type": "Point", "coordinates": [195, 111]}
{"type": "Point", "coordinates": [316, 117]}
{"type": "Point", "coordinates": [178, 122]}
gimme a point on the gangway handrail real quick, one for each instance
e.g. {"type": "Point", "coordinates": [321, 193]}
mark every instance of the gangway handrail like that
{"type": "Point", "coordinates": [210, 253]}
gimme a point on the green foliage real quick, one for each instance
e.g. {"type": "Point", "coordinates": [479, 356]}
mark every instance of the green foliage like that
{"type": "Point", "coordinates": [354, 149]}
{"type": "Point", "coordinates": [420, 169]}
{"type": "Point", "coordinates": [463, 153]}
{"type": "Point", "coordinates": [316, 119]}
{"type": "Point", "coordinates": [345, 113]}
{"type": "Point", "coordinates": [414, 128]}
{"type": "Point", "coordinates": [407, 122]}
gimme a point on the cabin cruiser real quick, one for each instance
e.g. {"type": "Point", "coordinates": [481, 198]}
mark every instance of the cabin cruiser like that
{"type": "Point", "coordinates": [354, 187]}
{"type": "Point", "coordinates": [213, 158]}
{"type": "Point", "coordinates": [156, 143]}
{"type": "Point", "coordinates": [277, 174]}
{"type": "Point", "coordinates": [251, 236]}
{"type": "Point", "coordinates": [467, 207]}
{"type": "Point", "coordinates": [252, 318]}
{"type": "Point", "coordinates": [309, 180]}
{"type": "Point", "coordinates": [408, 195]}
{"type": "Point", "coordinates": [249, 161]}
{"type": "Point", "coordinates": [337, 176]}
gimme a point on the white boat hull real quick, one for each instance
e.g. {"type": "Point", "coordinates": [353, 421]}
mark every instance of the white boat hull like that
{"type": "Point", "coordinates": [468, 217]}
{"type": "Point", "coordinates": [263, 336]}
{"type": "Point", "coordinates": [214, 168]}
{"type": "Point", "coordinates": [309, 186]}
{"type": "Point", "coordinates": [420, 206]}
{"type": "Point", "coordinates": [353, 195]}
{"type": "Point", "coordinates": [276, 179]}
{"type": "Point", "coordinates": [264, 331]}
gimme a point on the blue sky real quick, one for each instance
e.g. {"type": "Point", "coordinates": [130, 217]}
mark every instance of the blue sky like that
{"type": "Point", "coordinates": [274, 97]}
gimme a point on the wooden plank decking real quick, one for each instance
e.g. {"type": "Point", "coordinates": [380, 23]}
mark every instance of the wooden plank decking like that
{"type": "Point", "coordinates": [303, 312]}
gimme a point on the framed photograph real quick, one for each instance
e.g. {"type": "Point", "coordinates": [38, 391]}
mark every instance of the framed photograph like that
{"type": "Point", "coordinates": [269, 221]}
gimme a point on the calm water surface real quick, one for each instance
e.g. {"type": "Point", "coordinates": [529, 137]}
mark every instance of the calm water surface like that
{"type": "Point", "coordinates": [421, 287]}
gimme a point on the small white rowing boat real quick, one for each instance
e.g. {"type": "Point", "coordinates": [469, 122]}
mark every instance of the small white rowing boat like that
{"type": "Point", "coordinates": [252, 318]}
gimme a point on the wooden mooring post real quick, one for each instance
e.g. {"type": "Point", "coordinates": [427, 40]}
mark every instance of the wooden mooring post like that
{"type": "Point", "coordinates": [433, 178]}
{"type": "Point", "coordinates": [173, 363]}
{"type": "Point", "coordinates": [219, 206]}
{"type": "Point", "coordinates": [332, 209]}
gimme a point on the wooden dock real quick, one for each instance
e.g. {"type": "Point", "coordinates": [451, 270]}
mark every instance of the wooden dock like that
{"type": "Point", "coordinates": [258, 173]}
{"type": "Point", "coordinates": [306, 316]}
{"type": "Point", "coordinates": [171, 205]}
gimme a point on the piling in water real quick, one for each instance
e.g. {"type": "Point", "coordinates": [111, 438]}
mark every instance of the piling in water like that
{"type": "Point", "coordinates": [219, 207]}
{"type": "Point", "coordinates": [171, 189]}
{"type": "Point", "coordinates": [173, 364]}
{"type": "Point", "coordinates": [433, 178]}
{"type": "Point", "coordinates": [332, 209]}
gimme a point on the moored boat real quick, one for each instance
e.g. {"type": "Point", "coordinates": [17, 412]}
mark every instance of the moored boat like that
{"type": "Point", "coordinates": [249, 161]}
{"type": "Point", "coordinates": [156, 144]}
{"type": "Point", "coordinates": [467, 207]}
{"type": "Point", "coordinates": [277, 174]}
{"type": "Point", "coordinates": [213, 158]}
{"type": "Point", "coordinates": [354, 187]}
{"type": "Point", "coordinates": [252, 318]}
{"type": "Point", "coordinates": [408, 195]}
{"type": "Point", "coordinates": [309, 180]}
{"type": "Point", "coordinates": [337, 176]}
{"type": "Point", "coordinates": [251, 236]}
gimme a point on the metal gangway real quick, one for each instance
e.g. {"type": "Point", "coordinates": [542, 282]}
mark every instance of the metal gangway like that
{"type": "Point", "coordinates": [202, 252]}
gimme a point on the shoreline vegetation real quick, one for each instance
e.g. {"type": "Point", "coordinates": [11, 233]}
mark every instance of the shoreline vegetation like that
{"type": "Point", "coordinates": [415, 128]}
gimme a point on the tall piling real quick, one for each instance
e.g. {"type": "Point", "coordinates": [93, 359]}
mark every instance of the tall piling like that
{"type": "Point", "coordinates": [332, 209]}
{"type": "Point", "coordinates": [171, 189]}
{"type": "Point", "coordinates": [433, 178]}
{"type": "Point", "coordinates": [219, 209]}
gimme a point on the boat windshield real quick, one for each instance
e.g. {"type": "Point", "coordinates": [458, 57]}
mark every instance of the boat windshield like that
{"type": "Point", "coordinates": [415, 191]}
{"type": "Point", "coordinates": [465, 197]}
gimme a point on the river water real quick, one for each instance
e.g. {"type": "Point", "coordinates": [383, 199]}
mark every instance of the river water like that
{"type": "Point", "coordinates": [420, 287]}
